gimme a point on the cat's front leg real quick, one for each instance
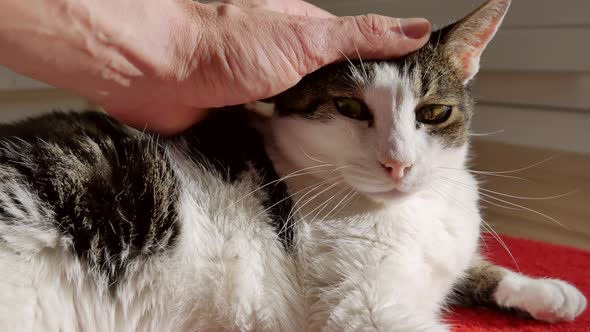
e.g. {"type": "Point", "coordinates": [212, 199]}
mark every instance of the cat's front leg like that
{"type": "Point", "coordinates": [549, 300]}
{"type": "Point", "coordinates": [375, 296]}
{"type": "Point", "coordinates": [363, 316]}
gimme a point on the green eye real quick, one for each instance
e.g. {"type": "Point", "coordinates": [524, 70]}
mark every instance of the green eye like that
{"type": "Point", "coordinates": [434, 114]}
{"type": "Point", "coordinates": [352, 108]}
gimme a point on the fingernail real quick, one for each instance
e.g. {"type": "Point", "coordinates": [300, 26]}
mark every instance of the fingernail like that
{"type": "Point", "coordinates": [415, 28]}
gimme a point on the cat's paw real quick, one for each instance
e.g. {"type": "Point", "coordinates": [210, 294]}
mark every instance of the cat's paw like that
{"type": "Point", "coordinates": [548, 300]}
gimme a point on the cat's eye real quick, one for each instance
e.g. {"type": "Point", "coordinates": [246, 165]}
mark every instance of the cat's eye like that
{"type": "Point", "coordinates": [353, 108]}
{"type": "Point", "coordinates": [433, 114]}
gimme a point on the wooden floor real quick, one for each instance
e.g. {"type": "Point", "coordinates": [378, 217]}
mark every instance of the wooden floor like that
{"type": "Point", "coordinates": [565, 172]}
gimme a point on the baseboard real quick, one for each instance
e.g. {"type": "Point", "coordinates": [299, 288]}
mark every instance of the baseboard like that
{"type": "Point", "coordinates": [15, 105]}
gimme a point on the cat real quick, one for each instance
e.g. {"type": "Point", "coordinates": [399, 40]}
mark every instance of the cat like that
{"type": "Point", "coordinates": [342, 204]}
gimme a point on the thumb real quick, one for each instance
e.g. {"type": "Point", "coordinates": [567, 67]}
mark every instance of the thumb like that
{"type": "Point", "coordinates": [369, 37]}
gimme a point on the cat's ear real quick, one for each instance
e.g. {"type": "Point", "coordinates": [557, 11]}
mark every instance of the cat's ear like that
{"type": "Point", "coordinates": [465, 40]}
{"type": "Point", "coordinates": [264, 107]}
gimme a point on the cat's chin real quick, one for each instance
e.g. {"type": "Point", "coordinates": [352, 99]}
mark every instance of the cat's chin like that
{"type": "Point", "coordinates": [393, 195]}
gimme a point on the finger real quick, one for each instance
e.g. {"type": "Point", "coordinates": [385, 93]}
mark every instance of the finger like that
{"type": "Point", "coordinates": [177, 120]}
{"type": "Point", "coordinates": [368, 37]}
{"type": "Point", "coordinates": [163, 122]}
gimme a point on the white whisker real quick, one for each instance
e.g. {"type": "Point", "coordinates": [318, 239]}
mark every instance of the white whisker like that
{"type": "Point", "coordinates": [348, 200]}
{"type": "Point", "coordinates": [486, 173]}
{"type": "Point", "coordinates": [365, 76]}
{"type": "Point", "coordinates": [322, 206]}
{"type": "Point", "coordinates": [488, 134]}
{"type": "Point", "coordinates": [292, 214]}
{"type": "Point", "coordinates": [527, 209]}
{"type": "Point", "coordinates": [293, 174]}
{"type": "Point", "coordinates": [496, 204]}
{"type": "Point", "coordinates": [310, 157]}
{"type": "Point", "coordinates": [311, 188]}
{"type": "Point", "coordinates": [511, 204]}
{"type": "Point", "coordinates": [353, 70]}
{"type": "Point", "coordinates": [343, 200]}
{"type": "Point", "coordinates": [501, 176]}
{"type": "Point", "coordinates": [519, 197]}
{"type": "Point", "coordinates": [519, 169]}
{"type": "Point", "coordinates": [530, 198]}
{"type": "Point", "coordinates": [484, 224]}
{"type": "Point", "coordinates": [497, 237]}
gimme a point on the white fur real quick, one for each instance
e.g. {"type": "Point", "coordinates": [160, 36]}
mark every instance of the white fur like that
{"type": "Point", "coordinates": [227, 268]}
{"type": "Point", "coordinates": [549, 300]}
{"type": "Point", "coordinates": [370, 269]}
{"type": "Point", "coordinates": [371, 254]}
{"type": "Point", "coordinates": [367, 266]}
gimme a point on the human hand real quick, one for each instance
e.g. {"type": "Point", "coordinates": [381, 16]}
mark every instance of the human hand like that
{"type": "Point", "coordinates": [254, 53]}
{"type": "Point", "coordinates": [161, 64]}
{"type": "Point", "coordinates": [289, 7]}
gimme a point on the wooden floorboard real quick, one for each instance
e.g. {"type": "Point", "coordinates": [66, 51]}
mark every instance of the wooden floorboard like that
{"type": "Point", "coordinates": [563, 173]}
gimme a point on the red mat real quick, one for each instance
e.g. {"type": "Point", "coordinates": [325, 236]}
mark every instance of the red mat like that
{"type": "Point", "coordinates": [535, 259]}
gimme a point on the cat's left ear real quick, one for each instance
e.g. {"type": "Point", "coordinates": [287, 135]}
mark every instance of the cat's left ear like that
{"type": "Point", "coordinates": [465, 40]}
{"type": "Point", "coordinates": [263, 107]}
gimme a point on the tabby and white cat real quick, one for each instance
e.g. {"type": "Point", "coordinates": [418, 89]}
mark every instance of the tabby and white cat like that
{"type": "Point", "coordinates": [348, 207]}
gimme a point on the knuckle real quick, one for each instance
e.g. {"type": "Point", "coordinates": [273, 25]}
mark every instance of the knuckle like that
{"type": "Point", "coordinates": [372, 26]}
{"type": "Point", "coordinates": [306, 49]}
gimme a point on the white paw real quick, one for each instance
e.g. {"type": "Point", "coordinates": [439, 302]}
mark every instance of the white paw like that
{"type": "Point", "coordinates": [549, 300]}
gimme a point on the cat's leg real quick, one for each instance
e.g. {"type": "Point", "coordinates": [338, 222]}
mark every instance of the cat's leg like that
{"type": "Point", "coordinates": [549, 300]}
{"type": "Point", "coordinates": [360, 311]}
{"type": "Point", "coordinates": [374, 294]}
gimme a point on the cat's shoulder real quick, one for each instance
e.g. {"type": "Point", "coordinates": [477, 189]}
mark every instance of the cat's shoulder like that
{"type": "Point", "coordinates": [110, 189]}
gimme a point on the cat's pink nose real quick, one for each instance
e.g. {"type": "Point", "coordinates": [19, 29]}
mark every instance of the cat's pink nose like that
{"type": "Point", "coordinates": [397, 169]}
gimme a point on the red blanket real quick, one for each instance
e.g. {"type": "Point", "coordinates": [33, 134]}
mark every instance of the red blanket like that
{"type": "Point", "coordinates": [535, 259]}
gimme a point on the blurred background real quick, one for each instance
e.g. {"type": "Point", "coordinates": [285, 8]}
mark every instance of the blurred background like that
{"type": "Point", "coordinates": [533, 96]}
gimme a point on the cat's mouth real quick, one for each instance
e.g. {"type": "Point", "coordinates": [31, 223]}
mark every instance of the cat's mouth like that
{"type": "Point", "coordinates": [375, 187]}
{"type": "Point", "coordinates": [389, 195]}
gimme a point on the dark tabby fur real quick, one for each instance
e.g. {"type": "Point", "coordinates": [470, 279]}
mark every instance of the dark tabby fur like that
{"type": "Point", "coordinates": [480, 284]}
{"type": "Point", "coordinates": [113, 191]}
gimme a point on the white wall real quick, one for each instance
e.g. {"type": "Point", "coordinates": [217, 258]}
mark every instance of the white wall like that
{"type": "Point", "coordinates": [21, 97]}
{"type": "Point", "coordinates": [11, 81]}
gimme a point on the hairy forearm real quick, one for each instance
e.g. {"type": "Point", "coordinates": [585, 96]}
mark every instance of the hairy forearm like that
{"type": "Point", "coordinates": [97, 47]}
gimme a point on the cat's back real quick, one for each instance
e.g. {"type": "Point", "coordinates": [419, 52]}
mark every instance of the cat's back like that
{"type": "Point", "coordinates": [102, 187]}
{"type": "Point", "coordinates": [83, 201]}
{"type": "Point", "coordinates": [99, 219]}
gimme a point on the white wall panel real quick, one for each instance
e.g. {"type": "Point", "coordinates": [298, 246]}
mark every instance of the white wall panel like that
{"type": "Point", "coordinates": [535, 13]}
{"type": "Point", "coordinates": [551, 128]}
{"type": "Point", "coordinates": [565, 91]}
{"type": "Point", "coordinates": [10, 81]}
